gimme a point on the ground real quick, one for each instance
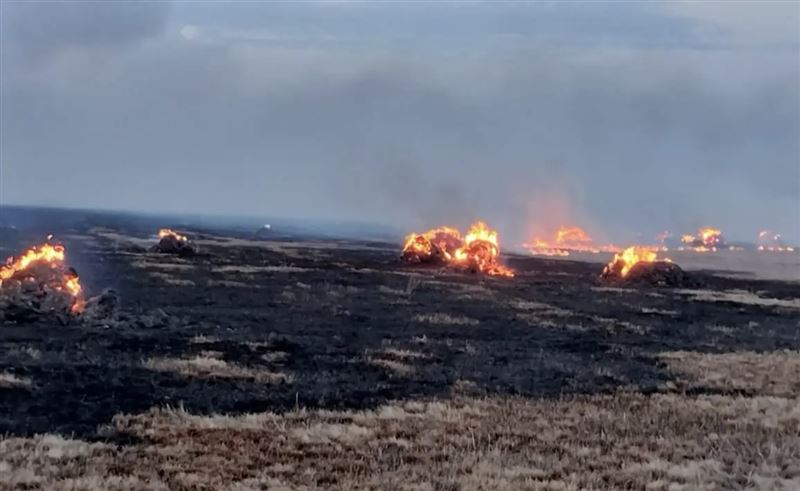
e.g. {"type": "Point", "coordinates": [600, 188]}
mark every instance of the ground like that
{"type": "Point", "coordinates": [285, 363]}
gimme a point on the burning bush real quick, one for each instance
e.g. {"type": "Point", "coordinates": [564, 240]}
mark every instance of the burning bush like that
{"type": "Point", "coordinates": [641, 265]}
{"type": "Point", "coordinates": [171, 242]}
{"type": "Point", "coordinates": [478, 251]}
{"type": "Point", "coordinates": [38, 282]}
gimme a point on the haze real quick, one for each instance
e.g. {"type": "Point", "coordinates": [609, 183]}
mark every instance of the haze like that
{"type": "Point", "coordinates": [625, 118]}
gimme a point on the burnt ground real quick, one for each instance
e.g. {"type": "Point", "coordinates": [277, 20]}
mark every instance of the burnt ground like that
{"type": "Point", "coordinates": [252, 325]}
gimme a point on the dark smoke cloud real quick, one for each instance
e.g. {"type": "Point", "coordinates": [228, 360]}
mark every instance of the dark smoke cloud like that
{"type": "Point", "coordinates": [166, 114]}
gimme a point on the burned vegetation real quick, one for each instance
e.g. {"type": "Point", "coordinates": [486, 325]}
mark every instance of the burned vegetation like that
{"type": "Point", "coordinates": [641, 266]}
{"type": "Point", "coordinates": [302, 363]}
{"type": "Point", "coordinates": [171, 242]}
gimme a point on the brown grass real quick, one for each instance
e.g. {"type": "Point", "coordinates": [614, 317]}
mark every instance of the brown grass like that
{"type": "Point", "coordinates": [208, 365]}
{"type": "Point", "coordinates": [170, 279]}
{"type": "Point", "coordinates": [742, 297]}
{"type": "Point", "coordinates": [775, 373]}
{"type": "Point", "coordinates": [622, 441]}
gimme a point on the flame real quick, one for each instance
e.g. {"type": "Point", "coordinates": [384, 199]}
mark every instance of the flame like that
{"type": "Point", "coordinates": [627, 259]}
{"type": "Point", "coordinates": [570, 235]}
{"type": "Point", "coordinates": [167, 232]}
{"type": "Point", "coordinates": [566, 239]}
{"type": "Point", "coordinates": [707, 239]}
{"type": "Point", "coordinates": [710, 236]}
{"type": "Point", "coordinates": [442, 240]}
{"type": "Point", "coordinates": [53, 256]}
{"type": "Point", "coordinates": [479, 249]}
{"type": "Point", "coordinates": [46, 253]}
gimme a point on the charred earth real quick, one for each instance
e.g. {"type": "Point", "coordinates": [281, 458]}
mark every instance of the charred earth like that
{"type": "Point", "coordinates": [254, 326]}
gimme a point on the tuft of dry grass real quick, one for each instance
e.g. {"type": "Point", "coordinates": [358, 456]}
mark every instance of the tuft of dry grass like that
{"type": "Point", "coordinates": [11, 381]}
{"type": "Point", "coordinates": [208, 365]}
{"type": "Point", "coordinates": [668, 313]}
{"type": "Point", "coordinates": [203, 339]}
{"type": "Point", "coordinates": [394, 367]}
{"type": "Point", "coordinates": [170, 279]}
{"type": "Point", "coordinates": [740, 296]}
{"type": "Point", "coordinates": [398, 362]}
{"type": "Point", "coordinates": [176, 264]}
{"type": "Point", "coordinates": [440, 318]}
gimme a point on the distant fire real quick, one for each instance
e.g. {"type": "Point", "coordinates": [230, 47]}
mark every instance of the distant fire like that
{"type": "Point", "coordinates": [707, 239]}
{"type": "Point", "coordinates": [772, 242]}
{"type": "Point", "coordinates": [566, 239]}
{"type": "Point", "coordinates": [572, 235]}
{"type": "Point", "coordinates": [44, 267]}
{"type": "Point", "coordinates": [478, 250]}
{"type": "Point", "coordinates": [627, 259]}
{"type": "Point", "coordinates": [168, 232]}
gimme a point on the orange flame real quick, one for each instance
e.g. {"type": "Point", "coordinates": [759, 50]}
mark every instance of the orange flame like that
{"type": "Point", "coordinates": [707, 239]}
{"type": "Point", "coordinates": [46, 253]}
{"type": "Point", "coordinates": [627, 259]}
{"type": "Point", "coordinates": [53, 256]}
{"type": "Point", "coordinates": [166, 232]}
{"type": "Point", "coordinates": [479, 249]}
{"type": "Point", "coordinates": [571, 235]}
{"type": "Point", "coordinates": [566, 239]}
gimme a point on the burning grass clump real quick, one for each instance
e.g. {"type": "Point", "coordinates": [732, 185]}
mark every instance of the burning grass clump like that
{"type": "Point", "coordinates": [476, 252]}
{"type": "Point", "coordinates": [171, 242]}
{"type": "Point", "coordinates": [38, 283]}
{"type": "Point", "coordinates": [706, 239]}
{"type": "Point", "coordinates": [641, 266]}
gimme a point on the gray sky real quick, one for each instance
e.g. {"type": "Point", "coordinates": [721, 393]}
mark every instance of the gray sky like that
{"type": "Point", "coordinates": [625, 118]}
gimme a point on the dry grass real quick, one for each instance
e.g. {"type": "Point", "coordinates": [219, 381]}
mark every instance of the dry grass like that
{"type": "Point", "coordinates": [398, 362]}
{"type": "Point", "coordinates": [611, 289]}
{"type": "Point", "coordinates": [774, 373]}
{"type": "Point", "coordinates": [404, 354]}
{"type": "Point", "coordinates": [121, 239]}
{"type": "Point", "coordinates": [391, 291]}
{"type": "Point", "coordinates": [260, 269]}
{"type": "Point", "coordinates": [623, 441]}
{"type": "Point", "coordinates": [667, 313]}
{"type": "Point", "coordinates": [208, 365]}
{"type": "Point", "coordinates": [170, 279]}
{"type": "Point", "coordinates": [537, 309]}
{"type": "Point", "coordinates": [11, 381]}
{"type": "Point", "coordinates": [203, 339]}
{"type": "Point", "coordinates": [443, 319]}
{"type": "Point", "coordinates": [740, 296]}
{"type": "Point", "coordinates": [394, 367]}
{"type": "Point", "coordinates": [176, 264]}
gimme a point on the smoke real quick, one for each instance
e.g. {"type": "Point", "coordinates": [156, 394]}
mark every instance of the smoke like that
{"type": "Point", "coordinates": [621, 138]}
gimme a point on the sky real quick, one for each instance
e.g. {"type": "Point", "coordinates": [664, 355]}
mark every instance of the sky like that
{"type": "Point", "coordinates": [627, 118]}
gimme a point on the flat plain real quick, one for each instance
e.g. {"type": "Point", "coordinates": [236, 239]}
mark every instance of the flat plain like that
{"type": "Point", "coordinates": [284, 362]}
